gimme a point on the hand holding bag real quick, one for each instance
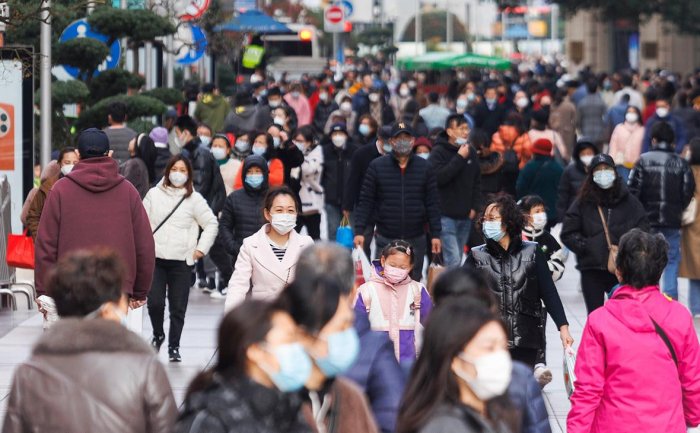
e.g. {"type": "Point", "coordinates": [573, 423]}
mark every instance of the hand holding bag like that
{"type": "Point", "coordinates": [569, 364]}
{"type": "Point", "coordinates": [344, 234]}
{"type": "Point", "coordinates": [612, 249]}
{"type": "Point", "coordinates": [20, 251]}
{"type": "Point", "coordinates": [363, 268]}
{"type": "Point", "coordinates": [434, 270]}
{"type": "Point", "coordinates": [690, 213]}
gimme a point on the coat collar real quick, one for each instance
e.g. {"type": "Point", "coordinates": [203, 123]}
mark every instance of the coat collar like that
{"type": "Point", "coordinates": [267, 259]}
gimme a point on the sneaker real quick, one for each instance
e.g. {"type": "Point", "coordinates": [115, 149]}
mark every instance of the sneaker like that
{"type": "Point", "coordinates": [217, 295]}
{"type": "Point", "coordinates": [157, 341]}
{"type": "Point", "coordinates": [174, 354]}
{"type": "Point", "coordinates": [543, 375]}
{"type": "Point", "coordinates": [202, 283]}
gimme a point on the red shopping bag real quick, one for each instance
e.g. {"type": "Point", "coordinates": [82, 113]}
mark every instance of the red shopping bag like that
{"type": "Point", "coordinates": [20, 251]}
{"type": "Point", "coordinates": [362, 266]}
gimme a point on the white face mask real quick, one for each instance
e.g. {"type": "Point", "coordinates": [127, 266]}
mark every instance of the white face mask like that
{"type": "Point", "coordinates": [205, 140]}
{"type": "Point", "coordinates": [539, 220]}
{"type": "Point", "coordinates": [373, 97]}
{"type": "Point", "coordinates": [279, 120]}
{"type": "Point", "coordinates": [631, 117]}
{"type": "Point", "coordinates": [177, 179]}
{"type": "Point", "coordinates": [283, 223]}
{"type": "Point", "coordinates": [346, 107]}
{"type": "Point", "coordinates": [404, 92]}
{"type": "Point", "coordinates": [339, 140]}
{"type": "Point", "coordinates": [522, 102]}
{"type": "Point", "coordinates": [323, 96]}
{"type": "Point", "coordinates": [493, 374]}
{"type": "Point", "coordinates": [219, 153]}
{"type": "Point", "coordinates": [586, 160]}
{"type": "Point", "coordinates": [274, 103]}
{"type": "Point", "coordinates": [662, 112]}
{"type": "Point", "coordinates": [66, 169]}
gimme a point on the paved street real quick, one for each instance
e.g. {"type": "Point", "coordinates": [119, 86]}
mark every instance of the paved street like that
{"type": "Point", "coordinates": [19, 330]}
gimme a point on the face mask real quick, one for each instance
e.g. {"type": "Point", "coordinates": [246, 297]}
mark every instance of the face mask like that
{"type": "Point", "coordinates": [522, 102]}
{"type": "Point", "coordinates": [279, 120]}
{"type": "Point", "coordinates": [295, 95]}
{"type": "Point", "coordinates": [460, 141]}
{"type": "Point", "coordinates": [338, 140]}
{"type": "Point", "coordinates": [539, 220]}
{"type": "Point", "coordinates": [343, 348]}
{"type": "Point", "coordinates": [242, 145]}
{"type": "Point", "coordinates": [283, 223]}
{"type": "Point", "coordinates": [255, 79]}
{"type": "Point", "coordinates": [66, 169]}
{"type": "Point", "coordinates": [490, 101]}
{"type": "Point", "coordinates": [373, 97]}
{"type": "Point", "coordinates": [299, 145]}
{"type": "Point", "coordinates": [254, 180]}
{"type": "Point", "coordinates": [177, 179]}
{"type": "Point", "coordinates": [604, 178]}
{"type": "Point", "coordinates": [493, 231]}
{"type": "Point", "coordinates": [423, 155]}
{"type": "Point", "coordinates": [394, 275]}
{"type": "Point", "coordinates": [219, 153]}
{"type": "Point", "coordinates": [323, 96]}
{"type": "Point", "coordinates": [662, 111]}
{"type": "Point", "coordinates": [295, 367]}
{"type": "Point", "coordinates": [260, 151]}
{"type": "Point", "coordinates": [403, 147]}
{"type": "Point", "coordinates": [346, 107]}
{"type": "Point", "coordinates": [205, 140]}
{"type": "Point", "coordinates": [274, 103]}
{"type": "Point", "coordinates": [404, 92]}
{"type": "Point", "coordinates": [364, 129]}
{"type": "Point", "coordinates": [387, 148]}
{"type": "Point", "coordinates": [493, 374]}
{"type": "Point", "coordinates": [586, 160]}
{"type": "Point", "coordinates": [631, 117]}
{"type": "Point", "coordinates": [462, 103]}
{"type": "Point", "coordinates": [276, 142]}
{"type": "Point", "coordinates": [471, 96]}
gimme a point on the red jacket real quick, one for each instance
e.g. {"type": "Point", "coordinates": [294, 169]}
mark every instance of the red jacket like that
{"type": "Point", "coordinates": [95, 207]}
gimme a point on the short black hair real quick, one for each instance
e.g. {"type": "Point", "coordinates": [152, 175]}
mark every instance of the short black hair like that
{"type": "Point", "coordinates": [480, 139]}
{"type": "Point", "coordinates": [662, 131]}
{"type": "Point", "coordinates": [454, 120]}
{"type": "Point", "coordinates": [433, 97]}
{"type": "Point", "coordinates": [312, 302]}
{"type": "Point", "coordinates": [642, 258]}
{"type": "Point", "coordinates": [399, 246]}
{"type": "Point", "coordinates": [83, 280]}
{"type": "Point", "coordinates": [186, 123]}
{"type": "Point", "coordinates": [592, 85]}
{"type": "Point", "coordinates": [529, 201]}
{"type": "Point", "coordinates": [117, 111]}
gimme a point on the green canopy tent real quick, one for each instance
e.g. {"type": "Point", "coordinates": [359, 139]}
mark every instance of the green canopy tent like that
{"type": "Point", "coordinates": [441, 61]}
{"type": "Point", "coordinates": [426, 61]}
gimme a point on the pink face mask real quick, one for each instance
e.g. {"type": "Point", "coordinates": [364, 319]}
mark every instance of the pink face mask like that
{"type": "Point", "coordinates": [394, 275]}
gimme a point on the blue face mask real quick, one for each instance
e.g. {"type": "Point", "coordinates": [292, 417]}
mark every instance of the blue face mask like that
{"type": "Point", "coordinates": [276, 142]}
{"type": "Point", "coordinates": [260, 151]}
{"type": "Point", "coordinates": [364, 129]}
{"type": "Point", "coordinates": [343, 348]}
{"type": "Point", "coordinates": [295, 367]}
{"type": "Point", "coordinates": [254, 180]}
{"type": "Point", "coordinates": [493, 231]}
{"type": "Point", "coordinates": [604, 178]}
{"type": "Point", "coordinates": [424, 155]}
{"type": "Point", "coordinates": [387, 148]}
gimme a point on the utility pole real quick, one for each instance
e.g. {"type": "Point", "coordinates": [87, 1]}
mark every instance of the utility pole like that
{"type": "Point", "coordinates": [418, 27]}
{"type": "Point", "coordinates": [449, 30]}
{"type": "Point", "coordinates": [45, 77]}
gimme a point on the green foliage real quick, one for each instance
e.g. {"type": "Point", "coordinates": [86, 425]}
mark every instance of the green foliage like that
{"type": "Point", "coordinates": [23, 28]}
{"type": "Point", "coordinates": [137, 25]}
{"type": "Point", "coordinates": [114, 82]}
{"type": "Point", "coordinates": [434, 26]}
{"type": "Point", "coordinates": [86, 54]}
{"type": "Point", "coordinates": [165, 95]}
{"type": "Point", "coordinates": [142, 126]}
{"type": "Point", "coordinates": [136, 106]}
{"type": "Point", "coordinates": [68, 92]}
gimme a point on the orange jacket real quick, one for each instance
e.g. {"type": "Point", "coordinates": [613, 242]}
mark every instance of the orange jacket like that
{"type": "Point", "coordinates": [507, 138]}
{"type": "Point", "coordinates": [276, 176]}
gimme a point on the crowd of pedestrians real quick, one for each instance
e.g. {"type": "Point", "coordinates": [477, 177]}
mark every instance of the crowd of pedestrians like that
{"type": "Point", "coordinates": [233, 197]}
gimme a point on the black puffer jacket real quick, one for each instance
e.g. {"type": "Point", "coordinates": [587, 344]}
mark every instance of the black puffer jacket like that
{"type": "Point", "coordinates": [572, 179]}
{"type": "Point", "coordinates": [163, 156]}
{"type": "Point", "coordinates": [242, 215]}
{"type": "Point", "coordinates": [582, 231]}
{"type": "Point", "coordinates": [458, 179]}
{"type": "Point", "coordinates": [206, 174]}
{"type": "Point", "coordinates": [403, 202]}
{"type": "Point", "coordinates": [321, 114]}
{"type": "Point", "coordinates": [664, 183]}
{"type": "Point", "coordinates": [336, 170]}
{"type": "Point", "coordinates": [522, 280]}
{"type": "Point", "coordinates": [244, 406]}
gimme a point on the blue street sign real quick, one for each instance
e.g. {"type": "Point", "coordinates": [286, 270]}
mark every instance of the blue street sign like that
{"type": "Point", "coordinates": [348, 8]}
{"type": "Point", "coordinates": [81, 29]}
{"type": "Point", "coordinates": [194, 44]}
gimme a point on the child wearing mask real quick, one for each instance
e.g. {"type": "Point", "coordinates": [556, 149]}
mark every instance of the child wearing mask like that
{"type": "Point", "coordinates": [534, 231]}
{"type": "Point", "coordinates": [395, 303]}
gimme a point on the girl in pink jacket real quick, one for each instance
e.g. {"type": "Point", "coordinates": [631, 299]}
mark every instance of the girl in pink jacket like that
{"type": "Point", "coordinates": [638, 365]}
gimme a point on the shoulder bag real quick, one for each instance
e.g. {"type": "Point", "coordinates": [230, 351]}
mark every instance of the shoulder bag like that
{"type": "Point", "coordinates": [170, 214]}
{"type": "Point", "coordinates": [667, 341]}
{"type": "Point", "coordinates": [612, 249]}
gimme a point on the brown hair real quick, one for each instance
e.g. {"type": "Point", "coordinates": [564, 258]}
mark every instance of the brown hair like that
{"type": "Point", "coordinates": [274, 192]}
{"type": "Point", "coordinates": [188, 185]}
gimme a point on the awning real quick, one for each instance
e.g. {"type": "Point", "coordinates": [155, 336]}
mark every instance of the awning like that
{"type": "Point", "coordinates": [426, 61]}
{"type": "Point", "coordinates": [472, 60]}
{"type": "Point", "coordinates": [440, 61]}
{"type": "Point", "coordinates": [253, 21]}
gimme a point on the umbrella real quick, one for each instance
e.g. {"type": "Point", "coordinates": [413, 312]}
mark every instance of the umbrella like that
{"type": "Point", "coordinates": [472, 60]}
{"type": "Point", "coordinates": [253, 21]}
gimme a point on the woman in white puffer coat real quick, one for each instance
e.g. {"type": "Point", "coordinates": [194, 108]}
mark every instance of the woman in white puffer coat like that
{"type": "Point", "coordinates": [176, 213]}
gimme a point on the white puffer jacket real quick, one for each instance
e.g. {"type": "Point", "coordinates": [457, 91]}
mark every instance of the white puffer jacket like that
{"type": "Point", "coordinates": [311, 192]}
{"type": "Point", "coordinates": [177, 238]}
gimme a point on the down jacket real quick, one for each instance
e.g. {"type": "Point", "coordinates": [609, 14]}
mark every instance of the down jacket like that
{"type": "Point", "coordinates": [242, 215]}
{"type": "Point", "coordinates": [458, 179]}
{"type": "Point", "coordinates": [402, 200]}
{"type": "Point", "coordinates": [626, 378]}
{"type": "Point", "coordinates": [336, 170]}
{"type": "Point", "coordinates": [206, 174]}
{"type": "Point", "coordinates": [90, 375]}
{"type": "Point", "coordinates": [177, 238]}
{"type": "Point", "coordinates": [526, 395]}
{"type": "Point", "coordinates": [664, 183]}
{"type": "Point", "coordinates": [572, 179]}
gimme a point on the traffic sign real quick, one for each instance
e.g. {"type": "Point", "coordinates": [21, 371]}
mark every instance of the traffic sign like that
{"type": "Point", "coordinates": [193, 9]}
{"type": "Point", "coordinates": [190, 44]}
{"type": "Point", "coordinates": [334, 19]}
{"type": "Point", "coordinates": [348, 8]}
{"type": "Point", "coordinates": [81, 29]}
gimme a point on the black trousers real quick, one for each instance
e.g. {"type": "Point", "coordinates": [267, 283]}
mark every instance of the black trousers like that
{"type": "Point", "coordinates": [171, 277]}
{"type": "Point", "coordinates": [524, 355]}
{"type": "Point", "coordinates": [222, 261]}
{"type": "Point", "coordinates": [542, 352]}
{"type": "Point", "coordinates": [595, 284]}
{"type": "Point", "coordinates": [419, 247]}
{"type": "Point", "coordinates": [312, 223]}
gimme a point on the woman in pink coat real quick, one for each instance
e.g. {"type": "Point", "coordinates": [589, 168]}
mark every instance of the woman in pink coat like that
{"type": "Point", "coordinates": [268, 259]}
{"type": "Point", "coordinates": [626, 142]}
{"type": "Point", "coordinates": [638, 366]}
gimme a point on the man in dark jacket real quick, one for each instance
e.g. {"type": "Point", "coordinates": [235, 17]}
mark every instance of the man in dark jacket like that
{"type": "Point", "coordinates": [489, 113]}
{"type": "Point", "coordinates": [541, 176]}
{"type": "Point", "coordinates": [338, 149]}
{"type": "Point", "coordinates": [326, 105]}
{"type": "Point", "coordinates": [574, 175]}
{"type": "Point", "coordinates": [94, 206]}
{"type": "Point", "coordinates": [247, 115]}
{"type": "Point", "coordinates": [664, 183]}
{"type": "Point", "coordinates": [458, 178]}
{"type": "Point", "coordinates": [663, 114]}
{"type": "Point", "coordinates": [402, 190]}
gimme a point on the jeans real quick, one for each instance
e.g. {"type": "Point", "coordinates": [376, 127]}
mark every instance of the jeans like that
{"type": "Point", "coordinates": [333, 217]}
{"type": "Point", "coordinates": [669, 280]}
{"type": "Point", "coordinates": [419, 247]}
{"type": "Point", "coordinates": [595, 284]}
{"type": "Point", "coordinates": [694, 297]}
{"type": "Point", "coordinates": [624, 173]}
{"type": "Point", "coordinates": [312, 223]}
{"type": "Point", "coordinates": [174, 274]}
{"type": "Point", "coordinates": [454, 236]}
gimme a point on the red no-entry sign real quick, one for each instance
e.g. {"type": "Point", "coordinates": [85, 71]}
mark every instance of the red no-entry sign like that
{"type": "Point", "coordinates": [334, 19]}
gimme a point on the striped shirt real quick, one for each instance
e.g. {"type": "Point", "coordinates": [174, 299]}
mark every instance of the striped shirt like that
{"type": "Point", "coordinates": [279, 252]}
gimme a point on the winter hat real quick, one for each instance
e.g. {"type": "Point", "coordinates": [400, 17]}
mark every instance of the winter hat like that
{"type": "Point", "coordinates": [93, 143]}
{"type": "Point", "coordinates": [338, 127]}
{"type": "Point", "coordinates": [159, 135]}
{"type": "Point", "coordinates": [422, 141]}
{"type": "Point", "coordinates": [543, 146]}
{"type": "Point", "coordinates": [601, 159]}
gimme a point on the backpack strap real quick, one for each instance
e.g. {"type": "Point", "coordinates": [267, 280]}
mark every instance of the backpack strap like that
{"type": "Point", "coordinates": [667, 341]}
